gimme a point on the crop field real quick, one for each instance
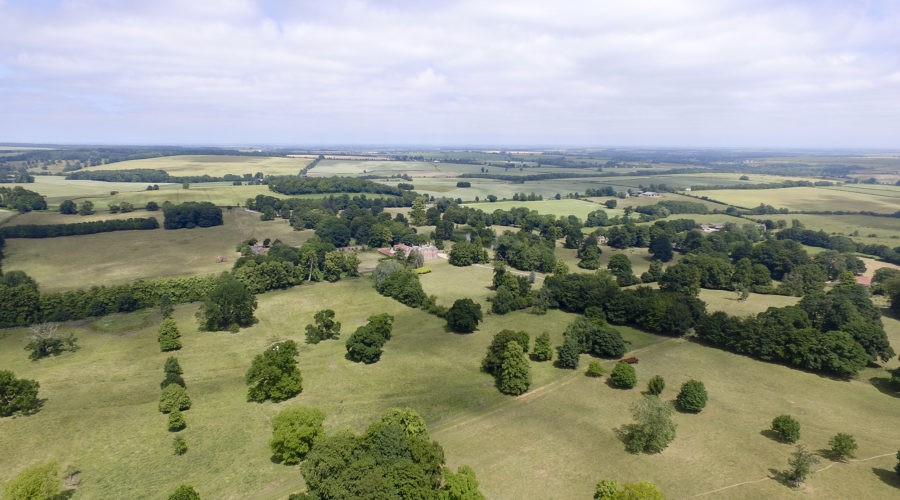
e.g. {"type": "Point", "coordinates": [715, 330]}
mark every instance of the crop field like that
{"type": "Point", "coordinates": [214, 165]}
{"type": "Point", "coordinates": [808, 198]}
{"type": "Point", "coordinates": [100, 415]}
{"type": "Point", "coordinates": [640, 201]}
{"type": "Point", "coordinates": [417, 169]}
{"type": "Point", "coordinates": [578, 208]}
{"type": "Point", "coordinates": [57, 188]}
{"type": "Point", "coordinates": [70, 262]}
{"type": "Point", "coordinates": [216, 194]}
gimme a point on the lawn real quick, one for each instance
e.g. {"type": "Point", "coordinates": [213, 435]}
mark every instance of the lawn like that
{"type": "Point", "coordinates": [117, 257]}
{"type": "Point", "coordinates": [556, 441]}
{"type": "Point", "coordinates": [727, 301]}
{"type": "Point", "coordinates": [810, 198]}
{"type": "Point", "coordinates": [214, 165]}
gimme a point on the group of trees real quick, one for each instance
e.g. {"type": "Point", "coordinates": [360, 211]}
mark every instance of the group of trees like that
{"type": "Point", "coordinates": [283, 265]}
{"type": "Point", "coordinates": [325, 327]}
{"type": "Point", "coordinates": [465, 253]}
{"type": "Point", "coordinates": [173, 400]}
{"type": "Point", "coordinates": [310, 185]}
{"type": "Point", "coordinates": [150, 175]}
{"type": "Point", "coordinates": [586, 336]}
{"type": "Point", "coordinates": [21, 199]}
{"type": "Point", "coordinates": [393, 458]}
{"type": "Point", "coordinates": [505, 361]}
{"type": "Point", "coordinates": [525, 251]}
{"type": "Point", "coordinates": [191, 214]}
{"type": "Point", "coordinates": [55, 230]}
{"type": "Point", "coordinates": [365, 344]}
{"type": "Point", "coordinates": [512, 292]}
{"type": "Point", "coordinates": [398, 281]}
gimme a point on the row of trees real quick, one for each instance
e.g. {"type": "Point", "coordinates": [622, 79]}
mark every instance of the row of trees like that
{"type": "Point", "coordinates": [78, 228]}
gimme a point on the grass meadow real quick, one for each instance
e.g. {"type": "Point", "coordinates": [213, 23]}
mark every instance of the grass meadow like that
{"type": "Point", "coordinates": [555, 441]}
{"type": "Point", "coordinates": [811, 198]}
{"type": "Point", "coordinates": [214, 165]}
{"type": "Point", "coordinates": [117, 257]}
{"type": "Point", "coordinates": [578, 208]}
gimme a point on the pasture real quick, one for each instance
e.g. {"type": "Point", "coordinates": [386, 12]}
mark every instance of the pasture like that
{"type": "Point", "coordinates": [865, 229]}
{"type": "Point", "coordinates": [810, 198]}
{"type": "Point", "coordinates": [71, 262]}
{"type": "Point", "coordinates": [560, 208]}
{"type": "Point", "coordinates": [58, 189]}
{"type": "Point", "coordinates": [100, 416]}
{"type": "Point", "coordinates": [214, 165]}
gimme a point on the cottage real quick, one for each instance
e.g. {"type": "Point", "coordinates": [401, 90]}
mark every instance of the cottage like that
{"type": "Point", "coordinates": [650, 194]}
{"type": "Point", "coordinates": [601, 240]}
{"type": "Point", "coordinates": [428, 252]}
{"type": "Point", "coordinates": [864, 280]}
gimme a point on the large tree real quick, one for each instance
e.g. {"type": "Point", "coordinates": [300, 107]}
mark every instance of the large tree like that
{"type": "Point", "coordinates": [294, 430]}
{"type": "Point", "coordinates": [653, 428]}
{"type": "Point", "coordinates": [515, 374]}
{"type": "Point", "coordinates": [493, 359]}
{"type": "Point", "coordinates": [463, 316]}
{"type": "Point", "coordinates": [365, 344]}
{"type": "Point", "coordinates": [325, 328]}
{"type": "Point", "coordinates": [228, 306]}
{"type": "Point", "coordinates": [274, 374]}
{"type": "Point", "coordinates": [168, 335]}
{"type": "Point", "coordinates": [17, 395]}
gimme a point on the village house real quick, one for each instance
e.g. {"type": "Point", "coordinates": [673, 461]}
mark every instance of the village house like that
{"type": "Point", "coordinates": [428, 252]}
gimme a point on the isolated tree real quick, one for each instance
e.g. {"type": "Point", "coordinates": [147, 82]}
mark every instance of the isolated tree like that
{"type": "Point", "coordinates": [365, 344]}
{"type": "Point", "coordinates": [17, 395]}
{"type": "Point", "coordinates": [787, 429]}
{"type": "Point", "coordinates": [179, 446]}
{"type": "Point", "coordinates": [151, 206]}
{"type": "Point", "coordinates": [176, 421]}
{"type": "Point", "coordinates": [68, 207]}
{"type": "Point", "coordinates": [46, 340]}
{"type": "Point", "coordinates": [274, 374]}
{"type": "Point", "coordinates": [229, 305]}
{"type": "Point", "coordinates": [40, 482]}
{"type": "Point", "coordinates": [606, 342]}
{"type": "Point", "coordinates": [325, 328]}
{"type": "Point", "coordinates": [87, 208]}
{"type": "Point", "coordinates": [463, 316]}
{"type": "Point", "coordinates": [173, 397]}
{"type": "Point", "coordinates": [543, 350]}
{"type": "Point", "coordinates": [461, 485]}
{"type": "Point", "coordinates": [515, 374]}
{"type": "Point", "coordinates": [611, 490]}
{"type": "Point", "coordinates": [173, 373]}
{"type": "Point", "coordinates": [897, 467]}
{"type": "Point", "coordinates": [611, 204]}
{"type": "Point", "coordinates": [656, 385]}
{"type": "Point", "coordinates": [653, 428]}
{"type": "Point", "coordinates": [843, 446]}
{"type": "Point", "coordinates": [800, 464]}
{"type": "Point", "coordinates": [168, 335]}
{"type": "Point", "coordinates": [294, 430]}
{"type": "Point", "coordinates": [661, 247]}
{"type": "Point", "coordinates": [692, 396]}
{"type": "Point", "coordinates": [623, 376]}
{"type": "Point", "coordinates": [185, 492]}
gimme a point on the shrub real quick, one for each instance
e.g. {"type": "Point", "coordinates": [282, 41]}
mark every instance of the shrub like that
{"type": "Point", "coordinates": [179, 446]}
{"type": "Point", "coordinates": [656, 385]}
{"type": "Point", "coordinates": [692, 396]}
{"type": "Point", "coordinates": [543, 350]}
{"type": "Point", "coordinates": [294, 430]}
{"type": "Point", "coordinates": [595, 369]}
{"type": "Point", "coordinates": [623, 376]}
{"type": "Point", "coordinates": [422, 270]}
{"type": "Point", "coordinates": [610, 490]}
{"type": "Point", "coordinates": [787, 429]}
{"type": "Point", "coordinates": [168, 335]}
{"type": "Point", "coordinates": [843, 446]}
{"type": "Point", "coordinates": [176, 421]}
{"type": "Point", "coordinates": [173, 397]}
{"type": "Point", "coordinates": [38, 483]}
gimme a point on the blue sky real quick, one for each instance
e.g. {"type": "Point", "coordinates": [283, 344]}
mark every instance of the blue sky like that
{"type": "Point", "coordinates": [757, 73]}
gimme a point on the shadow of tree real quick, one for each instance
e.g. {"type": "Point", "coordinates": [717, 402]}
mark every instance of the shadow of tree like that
{"type": "Point", "coordinates": [883, 384]}
{"type": "Point", "coordinates": [774, 436]}
{"type": "Point", "coordinates": [888, 476]}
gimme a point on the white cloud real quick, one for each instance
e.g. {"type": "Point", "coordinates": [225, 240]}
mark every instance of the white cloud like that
{"type": "Point", "coordinates": [646, 72]}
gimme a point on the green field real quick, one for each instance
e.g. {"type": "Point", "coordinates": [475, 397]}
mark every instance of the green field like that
{"type": "Point", "coordinates": [57, 188]}
{"type": "Point", "coordinates": [214, 165]}
{"type": "Point", "coordinates": [886, 230]}
{"type": "Point", "coordinates": [813, 199]}
{"type": "Point", "coordinates": [555, 441]}
{"type": "Point", "coordinates": [125, 256]}
{"type": "Point", "coordinates": [578, 208]}
{"type": "Point", "coordinates": [212, 192]}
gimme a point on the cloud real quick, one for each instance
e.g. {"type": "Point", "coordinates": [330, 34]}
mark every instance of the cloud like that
{"type": "Point", "coordinates": [517, 72]}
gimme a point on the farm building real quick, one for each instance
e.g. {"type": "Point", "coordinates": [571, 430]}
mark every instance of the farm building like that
{"type": "Point", "coordinates": [601, 240]}
{"type": "Point", "coordinates": [650, 194]}
{"type": "Point", "coordinates": [864, 280]}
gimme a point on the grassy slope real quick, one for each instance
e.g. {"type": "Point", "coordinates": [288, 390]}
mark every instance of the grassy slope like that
{"type": "Point", "coordinates": [807, 198]}
{"type": "Point", "coordinates": [139, 254]}
{"type": "Point", "coordinates": [214, 165]}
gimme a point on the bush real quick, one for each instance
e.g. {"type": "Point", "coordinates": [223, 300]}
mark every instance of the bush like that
{"type": "Point", "coordinates": [422, 270]}
{"type": "Point", "coordinates": [786, 428]}
{"type": "Point", "coordinates": [294, 430]}
{"type": "Point", "coordinates": [843, 446]}
{"type": "Point", "coordinates": [185, 492]}
{"type": "Point", "coordinates": [623, 376]}
{"type": "Point", "coordinates": [17, 395]}
{"type": "Point", "coordinates": [595, 369]}
{"type": "Point", "coordinates": [692, 396]}
{"type": "Point", "coordinates": [168, 335]}
{"type": "Point", "coordinates": [34, 483]}
{"type": "Point", "coordinates": [463, 316]}
{"type": "Point", "coordinates": [176, 421]}
{"type": "Point", "coordinates": [173, 397]}
{"type": "Point", "coordinates": [611, 490]}
{"type": "Point", "coordinates": [274, 374]}
{"type": "Point", "coordinates": [543, 350]}
{"type": "Point", "coordinates": [656, 385]}
{"type": "Point", "coordinates": [179, 446]}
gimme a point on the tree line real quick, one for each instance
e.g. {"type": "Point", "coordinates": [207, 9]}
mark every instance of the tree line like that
{"type": "Point", "coordinates": [149, 175]}
{"type": "Point", "coordinates": [21, 199]}
{"type": "Point", "coordinates": [78, 228]}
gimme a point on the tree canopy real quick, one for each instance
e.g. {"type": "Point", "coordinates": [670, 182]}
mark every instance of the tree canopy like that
{"type": "Point", "coordinates": [274, 374]}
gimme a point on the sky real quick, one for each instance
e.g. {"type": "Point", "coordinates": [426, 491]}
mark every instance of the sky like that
{"type": "Point", "coordinates": [724, 73]}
